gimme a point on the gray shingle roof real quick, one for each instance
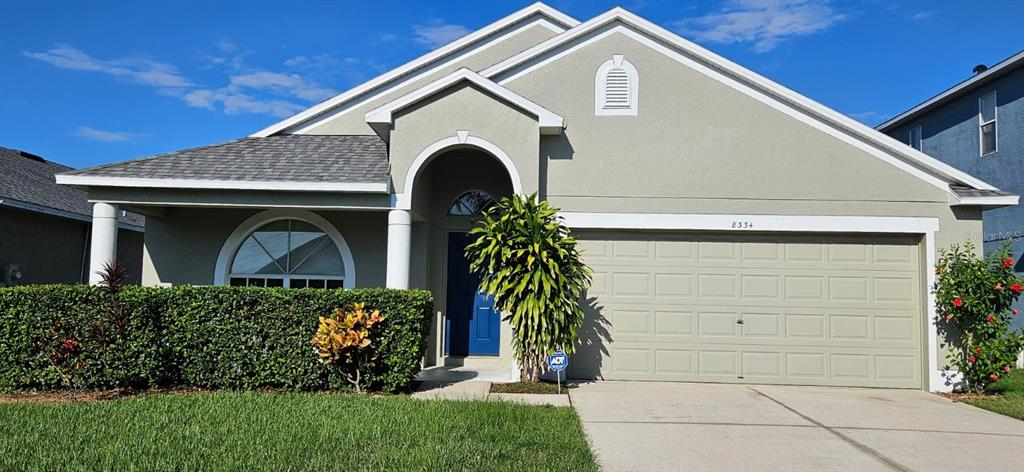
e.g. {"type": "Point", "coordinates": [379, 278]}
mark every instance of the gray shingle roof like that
{"type": "Point", "coordinates": [965, 191]}
{"type": "Point", "coordinates": [27, 178]}
{"type": "Point", "coordinates": [293, 158]}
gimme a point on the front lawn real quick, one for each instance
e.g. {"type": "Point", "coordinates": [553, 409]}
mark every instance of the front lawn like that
{"type": "Point", "coordinates": [1010, 398]}
{"type": "Point", "coordinates": [289, 431]}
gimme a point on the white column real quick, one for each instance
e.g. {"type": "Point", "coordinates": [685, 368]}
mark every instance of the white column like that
{"type": "Point", "coordinates": [103, 247]}
{"type": "Point", "coordinates": [399, 248]}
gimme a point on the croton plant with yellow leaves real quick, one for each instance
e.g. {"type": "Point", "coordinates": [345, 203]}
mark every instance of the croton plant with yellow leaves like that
{"type": "Point", "coordinates": [345, 341]}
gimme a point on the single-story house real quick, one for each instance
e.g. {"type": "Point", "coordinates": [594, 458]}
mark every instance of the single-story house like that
{"type": "Point", "coordinates": [45, 227]}
{"type": "Point", "coordinates": [738, 231]}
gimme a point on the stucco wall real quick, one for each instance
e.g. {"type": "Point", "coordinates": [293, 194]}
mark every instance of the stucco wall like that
{"type": "Point", "coordinates": [182, 246]}
{"type": "Point", "coordinates": [51, 249]}
{"type": "Point", "coordinates": [353, 121]}
{"type": "Point", "coordinates": [694, 139]}
{"type": "Point", "coordinates": [465, 107]}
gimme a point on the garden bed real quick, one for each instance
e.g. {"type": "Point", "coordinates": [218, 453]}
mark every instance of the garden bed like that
{"type": "Point", "coordinates": [540, 388]}
{"type": "Point", "coordinates": [289, 431]}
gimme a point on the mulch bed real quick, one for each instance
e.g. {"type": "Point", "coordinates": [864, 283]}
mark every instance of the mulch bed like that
{"type": "Point", "coordinates": [541, 388]}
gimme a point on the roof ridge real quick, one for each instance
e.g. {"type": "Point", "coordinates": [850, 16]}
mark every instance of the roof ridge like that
{"type": "Point", "coordinates": [976, 79]}
{"type": "Point", "coordinates": [146, 158]}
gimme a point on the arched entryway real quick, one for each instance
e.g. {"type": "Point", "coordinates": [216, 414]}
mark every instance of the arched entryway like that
{"type": "Point", "coordinates": [449, 194]}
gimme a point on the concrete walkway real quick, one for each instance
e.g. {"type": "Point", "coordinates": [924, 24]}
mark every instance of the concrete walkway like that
{"type": "Point", "coordinates": [481, 390]}
{"type": "Point", "coordinates": [655, 426]}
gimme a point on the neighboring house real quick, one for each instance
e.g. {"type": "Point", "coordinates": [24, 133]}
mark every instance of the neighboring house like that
{"type": "Point", "coordinates": [978, 126]}
{"type": "Point", "coordinates": [44, 227]}
{"type": "Point", "coordinates": [738, 231]}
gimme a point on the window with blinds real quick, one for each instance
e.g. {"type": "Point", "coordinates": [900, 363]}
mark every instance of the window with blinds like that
{"type": "Point", "coordinates": [616, 88]}
{"type": "Point", "coordinates": [987, 127]}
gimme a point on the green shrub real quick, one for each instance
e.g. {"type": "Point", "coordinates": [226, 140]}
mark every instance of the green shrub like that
{"type": "Point", "coordinates": [208, 337]}
{"type": "Point", "coordinates": [974, 298]}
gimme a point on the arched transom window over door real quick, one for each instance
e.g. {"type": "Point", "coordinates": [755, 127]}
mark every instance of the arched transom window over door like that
{"type": "Point", "coordinates": [288, 253]}
{"type": "Point", "coordinates": [471, 203]}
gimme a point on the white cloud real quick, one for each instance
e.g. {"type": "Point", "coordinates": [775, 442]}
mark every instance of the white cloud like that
{"type": "Point", "coordinates": [234, 102]}
{"type": "Point", "coordinates": [283, 84]}
{"type": "Point", "coordinates": [438, 33]}
{"type": "Point", "coordinates": [137, 69]}
{"type": "Point", "coordinates": [924, 15]}
{"type": "Point", "coordinates": [104, 136]}
{"type": "Point", "coordinates": [227, 47]}
{"type": "Point", "coordinates": [765, 23]}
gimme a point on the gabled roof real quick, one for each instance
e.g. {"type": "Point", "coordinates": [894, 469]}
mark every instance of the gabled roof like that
{"type": "Point", "coordinates": [27, 182]}
{"type": "Point", "coordinates": [304, 163]}
{"type": "Point", "coordinates": [821, 117]}
{"type": "Point", "coordinates": [381, 118]}
{"type": "Point", "coordinates": [551, 18]}
{"type": "Point", "coordinates": [1008, 65]}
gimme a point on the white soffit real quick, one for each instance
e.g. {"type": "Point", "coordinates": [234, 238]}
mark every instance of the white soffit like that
{"type": "Point", "coordinates": [382, 118]}
{"type": "Point", "coordinates": [806, 110]}
{"type": "Point", "coordinates": [547, 17]}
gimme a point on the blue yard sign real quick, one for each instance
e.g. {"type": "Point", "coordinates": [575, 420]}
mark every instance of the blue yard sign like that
{"type": "Point", "coordinates": [557, 362]}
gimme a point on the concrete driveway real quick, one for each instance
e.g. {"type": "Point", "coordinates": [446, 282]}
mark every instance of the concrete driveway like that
{"type": "Point", "coordinates": [684, 426]}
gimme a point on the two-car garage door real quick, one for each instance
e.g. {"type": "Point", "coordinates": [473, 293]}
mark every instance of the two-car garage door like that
{"type": "Point", "coordinates": [754, 308]}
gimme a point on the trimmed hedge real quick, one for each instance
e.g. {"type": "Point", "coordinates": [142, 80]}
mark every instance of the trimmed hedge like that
{"type": "Point", "coordinates": [207, 337]}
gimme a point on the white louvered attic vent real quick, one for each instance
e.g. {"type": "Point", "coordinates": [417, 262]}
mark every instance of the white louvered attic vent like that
{"type": "Point", "coordinates": [615, 87]}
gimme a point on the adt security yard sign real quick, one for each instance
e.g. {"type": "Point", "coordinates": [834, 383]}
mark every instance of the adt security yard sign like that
{"type": "Point", "coordinates": [557, 362]}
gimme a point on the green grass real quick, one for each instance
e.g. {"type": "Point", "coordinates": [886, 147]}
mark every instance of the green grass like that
{"type": "Point", "coordinates": [1010, 398]}
{"type": "Point", "coordinates": [289, 431]}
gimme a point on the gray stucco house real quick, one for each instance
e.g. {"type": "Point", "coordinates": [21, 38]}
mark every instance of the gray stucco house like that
{"type": "Point", "coordinates": [739, 232]}
{"type": "Point", "coordinates": [978, 126]}
{"type": "Point", "coordinates": [44, 227]}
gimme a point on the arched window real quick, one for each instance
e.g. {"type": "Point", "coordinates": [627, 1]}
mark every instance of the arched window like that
{"type": "Point", "coordinates": [288, 253]}
{"type": "Point", "coordinates": [471, 203]}
{"type": "Point", "coordinates": [616, 87]}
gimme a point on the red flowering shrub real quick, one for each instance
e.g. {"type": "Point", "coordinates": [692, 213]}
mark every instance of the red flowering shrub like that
{"type": "Point", "coordinates": [974, 312]}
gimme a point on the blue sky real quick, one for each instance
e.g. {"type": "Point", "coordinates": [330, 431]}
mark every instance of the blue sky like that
{"type": "Point", "coordinates": [85, 83]}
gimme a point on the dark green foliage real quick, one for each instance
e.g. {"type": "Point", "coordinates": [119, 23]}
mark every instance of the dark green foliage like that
{"type": "Point", "coordinates": [529, 262]}
{"type": "Point", "coordinates": [974, 297]}
{"type": "Point", "coordinates": [209, 337]}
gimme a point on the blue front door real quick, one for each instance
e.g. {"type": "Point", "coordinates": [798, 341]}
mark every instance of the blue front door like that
{"type": "Point", "coordinates": [472, 323]}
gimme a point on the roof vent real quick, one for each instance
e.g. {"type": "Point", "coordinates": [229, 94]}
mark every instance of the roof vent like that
{"type": "Point", "coordinates": [980, 68]}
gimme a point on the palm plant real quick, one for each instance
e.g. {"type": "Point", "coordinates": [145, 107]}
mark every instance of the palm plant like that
{"type": "Point", "coordinates": [530, 264]}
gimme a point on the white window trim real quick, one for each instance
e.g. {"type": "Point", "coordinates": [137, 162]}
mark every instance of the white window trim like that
{"type": "Point", "coordinates": [617, 61]}
{"type": "Point", "coordinates": [935, 379]}
{"type": "Point", "coordinates": [221, 274]}
{"type": "Point", "coordinates": [982, 123]}
{"type": "Point", "coordinates": [920, 137]}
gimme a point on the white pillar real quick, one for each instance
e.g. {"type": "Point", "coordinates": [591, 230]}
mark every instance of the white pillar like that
{"type": "Point", "coordinates": [103, 247]}
{"type": "Point", "coordinates": [399, 248]}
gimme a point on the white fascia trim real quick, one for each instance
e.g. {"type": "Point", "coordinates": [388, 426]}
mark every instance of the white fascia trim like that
{"type": "Point", "coordinates": [1004, 200]}
{"type": "Point", "coordinates": [61, 213]}
{"type": "Point", "coordinates": [353, 187]}
{"type": "Point", "coordinates": [754, 85]}
{"type": "Point", "coordinates": [549, 122]}
{"type": "Point", "coordinates": [936, 380]}
{"type": "Point", "coordinates": [407, 71]}
{"type": "Point", "coordinates": [992, 72]}
{"type": "Point", "coordinates": [748, 223]}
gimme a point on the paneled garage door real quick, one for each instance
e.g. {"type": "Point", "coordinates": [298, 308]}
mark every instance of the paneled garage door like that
{"type": "Point", "coordinates": [809, 310]}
